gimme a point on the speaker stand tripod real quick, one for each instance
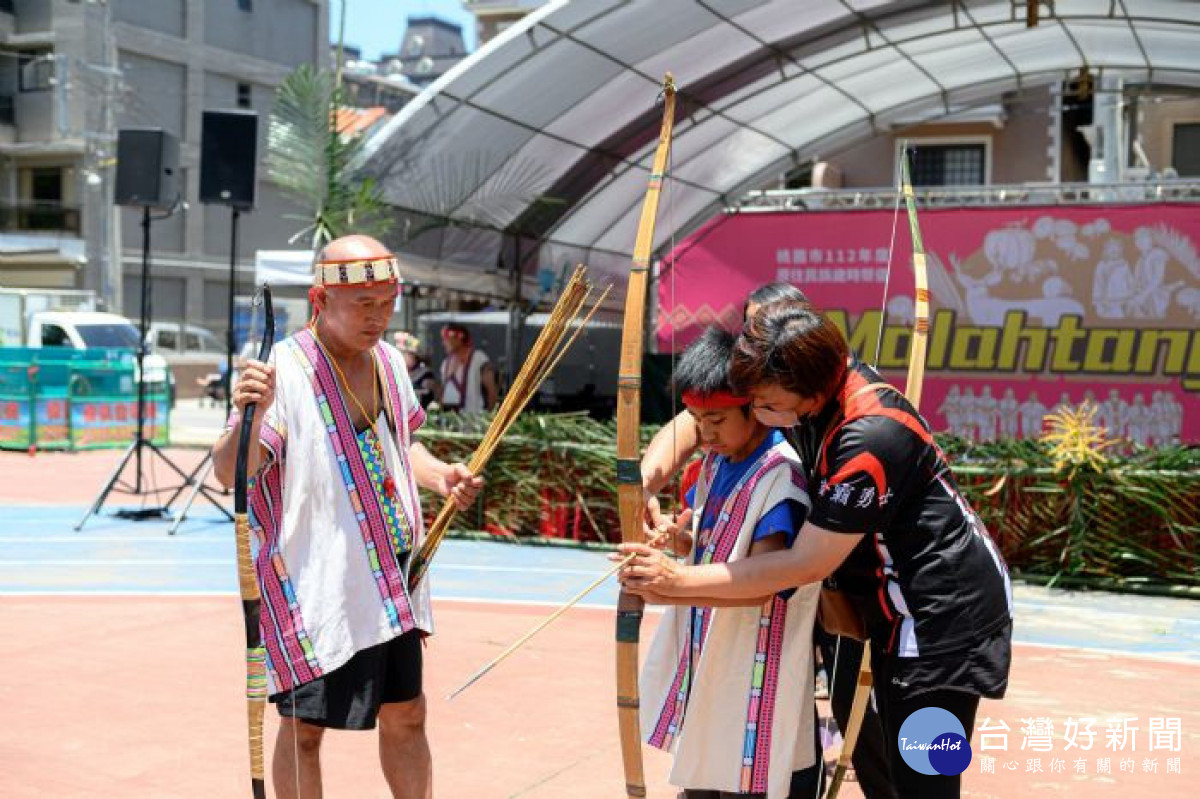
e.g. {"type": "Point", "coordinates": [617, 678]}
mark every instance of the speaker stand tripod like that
{"type": "Point", "coordinates": [206, 466]}
{"type": "Point", "coordinates": [140, 441]}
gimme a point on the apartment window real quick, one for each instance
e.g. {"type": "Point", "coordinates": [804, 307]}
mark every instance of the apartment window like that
{"type": "Point", "coordinates": [45, 211]}
{"type": "Point", "coordinates": [36, 72]}
{"type": "Point", "coordinates": [243, 95]}
{"type": "Point", "coordinates": [799, 177]}
{"type": "Point", "coordinates": [1185, 149]}
{"type": "Point", "coordinates": [7, 5]}
{"type": "Point", "coordinates": [949, 164]}
{"type": "Point", "coordinates": [246, 5]}
{"type": "Point", "coordinates": [45, 184]}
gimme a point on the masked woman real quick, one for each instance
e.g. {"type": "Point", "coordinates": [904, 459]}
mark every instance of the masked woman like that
{"type": "Point", "coordinates": [887, 522]}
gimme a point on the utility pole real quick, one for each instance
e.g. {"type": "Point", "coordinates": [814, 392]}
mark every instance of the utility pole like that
{"type": "Point", "coordinates": [99, 135]}
{"type": "Point", "coordinates": [341, 45]}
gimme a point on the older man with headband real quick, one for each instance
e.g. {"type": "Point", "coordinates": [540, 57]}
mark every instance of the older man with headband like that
{"type": "Point", "coordinates": [335, 509]}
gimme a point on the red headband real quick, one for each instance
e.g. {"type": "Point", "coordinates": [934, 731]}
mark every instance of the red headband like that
{"type": "Point", "coordinates": [714, 401]}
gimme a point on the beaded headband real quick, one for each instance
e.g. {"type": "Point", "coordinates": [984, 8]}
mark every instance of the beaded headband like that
{"type": "Point", "coordinates": [357, 271]}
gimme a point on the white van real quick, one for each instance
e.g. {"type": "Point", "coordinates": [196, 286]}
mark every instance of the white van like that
{"type": "Point", "coordinates": [86, 329]}
{"type": "Point", "coordinates": [185, 343]}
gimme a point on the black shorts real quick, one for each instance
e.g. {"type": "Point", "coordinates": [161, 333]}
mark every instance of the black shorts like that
{"type": "Point", "coordinates": [349, 698]}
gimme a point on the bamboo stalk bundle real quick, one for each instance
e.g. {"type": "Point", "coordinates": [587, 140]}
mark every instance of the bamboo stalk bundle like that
{"type": "Point", "coordinates": [556, 337]}
{"type": "Point", "coordinates": [1134, 525]}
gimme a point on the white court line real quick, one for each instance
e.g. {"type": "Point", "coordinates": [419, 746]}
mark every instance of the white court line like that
{"type": "Point", "coordinates": [77, 594]}
{"type": "Point", "coordinates": [84, 538]}
{"type": "Point", "coordinates": [537, 603]}
{"type": "Point", "coordinates": [121, 562]}
{"type": "Point", "coordinates": [1075, 612]}
{"type": "Point", "coordinates": [529, 603]}
{"type": "Point", "coordinates": [509, 569]}
{"type": "Point", "coordinates": [1034, 605]}
{"type": "Point", "coordinates": [224, 561]}
{"type": "Point", "coordinates": [1162, 658]}
{"type": "Point", "coordinates": [479, 600]}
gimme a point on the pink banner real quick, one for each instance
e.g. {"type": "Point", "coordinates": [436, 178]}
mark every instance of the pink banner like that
{"type": "Point", "coordinates": [1033, 308]}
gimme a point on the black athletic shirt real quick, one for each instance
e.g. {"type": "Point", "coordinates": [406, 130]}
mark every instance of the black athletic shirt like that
{"type": "Point", "coordinates": [926, 574]}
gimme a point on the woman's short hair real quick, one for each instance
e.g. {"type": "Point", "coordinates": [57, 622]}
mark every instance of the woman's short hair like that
{"type": "Point", "coordinates": [793, 345]}
{"type": "Point", "coordinates": [773, 292]}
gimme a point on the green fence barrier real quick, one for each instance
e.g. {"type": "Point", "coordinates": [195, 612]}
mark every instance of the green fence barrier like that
{"type": "Point", "coordinates": [69, 399]}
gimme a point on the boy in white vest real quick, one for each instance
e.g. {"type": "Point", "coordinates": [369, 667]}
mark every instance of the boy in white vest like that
{"type": "Point", "coordinates": [727, 687]}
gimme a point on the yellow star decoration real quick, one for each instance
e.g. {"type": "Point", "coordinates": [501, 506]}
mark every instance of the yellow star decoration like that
{"type": "Point", "coordinates": [1075, 441]}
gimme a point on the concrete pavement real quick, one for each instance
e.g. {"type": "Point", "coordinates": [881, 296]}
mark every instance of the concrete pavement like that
{"type": "Point", "coordinates": [121, 668]}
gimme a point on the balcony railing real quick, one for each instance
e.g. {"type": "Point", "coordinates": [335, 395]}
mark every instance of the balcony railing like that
{"type": "Point", "coordinates": [39, 216]}
{"type": "Point", "coordinates": [1142, 191]}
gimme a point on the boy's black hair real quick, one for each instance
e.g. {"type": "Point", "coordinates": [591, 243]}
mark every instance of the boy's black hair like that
{"type": "Point", "coordinates": [704, 367]}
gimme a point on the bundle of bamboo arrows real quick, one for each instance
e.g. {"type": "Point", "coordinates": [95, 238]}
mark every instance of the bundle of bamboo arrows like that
{"type": "Point", "coordinates": [559, 333]}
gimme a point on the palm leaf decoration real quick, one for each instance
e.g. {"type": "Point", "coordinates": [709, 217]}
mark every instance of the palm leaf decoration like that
{"type": "Point", "coordinates": [311, 160]}
{"type": "Point", "coordinates": [1119, 519]}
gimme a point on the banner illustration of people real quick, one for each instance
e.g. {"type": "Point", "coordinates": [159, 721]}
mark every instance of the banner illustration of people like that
{"type": "Point", "coordinates": [1033, 306]}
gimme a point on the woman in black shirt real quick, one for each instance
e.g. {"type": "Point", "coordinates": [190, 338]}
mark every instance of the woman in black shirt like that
{"type": "Point", "coordinates": [888, 523]}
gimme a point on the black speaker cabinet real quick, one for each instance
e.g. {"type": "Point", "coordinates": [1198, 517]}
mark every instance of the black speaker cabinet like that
{"type": "Point", "coordinates": [228, 157]}
{"type": "Point", "coordinates": [147, 168]}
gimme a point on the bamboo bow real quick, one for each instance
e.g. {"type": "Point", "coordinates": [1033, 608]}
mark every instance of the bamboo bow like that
{"type": "Point", "coordinates": [629, 474]}
{"type": "Point", "coordinates": [256, 654]}
{"type": "Point", "coordinates": [912, 390]}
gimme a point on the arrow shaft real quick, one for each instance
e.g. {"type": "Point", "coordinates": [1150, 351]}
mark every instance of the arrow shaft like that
{"type": "Point", "coordinates": [546, 622]}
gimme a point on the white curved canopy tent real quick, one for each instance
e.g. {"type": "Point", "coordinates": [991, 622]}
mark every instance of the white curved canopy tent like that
{"type": "Point", "coordinates": [548, 131]}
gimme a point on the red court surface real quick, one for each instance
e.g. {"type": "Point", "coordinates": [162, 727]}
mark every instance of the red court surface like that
{"type": "Point", "coordinates": [141, 697]}
{"type": "Point", "coordinates": [51, 478]}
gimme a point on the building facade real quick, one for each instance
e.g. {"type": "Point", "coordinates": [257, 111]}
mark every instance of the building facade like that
{"type": "Point", "coordinates": [74, 72]}
{"type": "Point", "coordinates": [493, 17]}
{"type": "Point", "coordinates": [1107, 133]}
{"type": "Point", "coordinates": [429, 49]}
{"type": "Point", "coordinates": [373, 84]}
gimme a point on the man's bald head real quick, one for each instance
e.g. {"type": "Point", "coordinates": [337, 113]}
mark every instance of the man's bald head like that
{"type": "Point", "coordinates": [355, 260]}
{"type": "Point", "coordinates": [355, 247]}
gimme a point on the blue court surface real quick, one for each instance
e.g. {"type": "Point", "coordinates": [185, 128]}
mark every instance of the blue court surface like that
{"type": "Point", "coordinates": [41, 554]}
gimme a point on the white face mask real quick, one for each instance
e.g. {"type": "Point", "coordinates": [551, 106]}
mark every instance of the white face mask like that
{"type": "Point", "coordinates": [777, 418]}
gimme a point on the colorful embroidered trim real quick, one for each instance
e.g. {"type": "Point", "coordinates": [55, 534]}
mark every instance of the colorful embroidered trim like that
{"type": "Point", "coordinates": [372, 452]}
{"type": "Point", "coordinates": [368, 512]}
{"type": "Point", "coordinates": [760, 710]}
{"type": "Point", "coordinates": [730, 520]}
{"type": "Point", "coordinates": [290, 656]}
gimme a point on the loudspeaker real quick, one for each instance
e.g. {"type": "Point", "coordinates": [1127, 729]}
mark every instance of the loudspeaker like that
{"type": "Point", "coordinates": [147, 168]}
{"type": "Point", "coordinates": [228, 158]}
